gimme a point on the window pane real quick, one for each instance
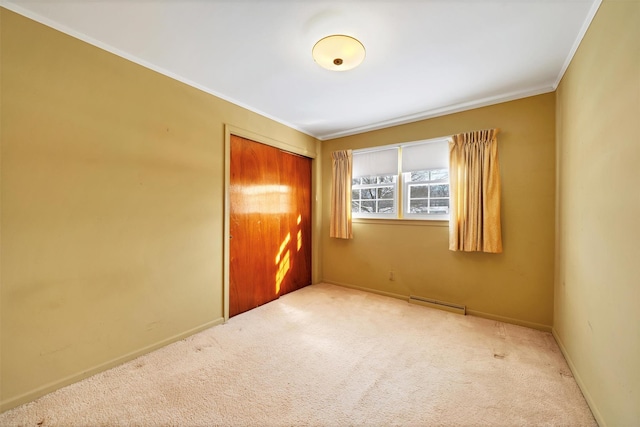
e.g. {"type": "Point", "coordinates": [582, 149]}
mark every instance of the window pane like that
{"type": "Point", "coordinates": [439, 191]}
{"type": "Point", "coordinates": [369, 179]}
{"type": "Point", "coordinates": [368, 193]}
{"type": "Point", "coordinates": [418, 191]}
{"type": "Point", "coordinates": [385, 193]}
{"type": "Point", "coordinates": [368, 206]}
{"type": "Point", "coordinates": [439, 202]}
{"type": "Point", "coordinates": [355, 206]}
{"type": "Point", "coordinates": [386, 206]}
{"type": "Point", "coordinates": [355, 194]}
{"type": "Point", "coordinates": [419, 176]}
{"type": "Point", "coordinates": [418, 206]}
{"type": "Point", "coordinates": [387, 179]}
{"type": "Point", "coordinates": [439, 206]}
{"type": "Point", "coordinates": [439, 174]}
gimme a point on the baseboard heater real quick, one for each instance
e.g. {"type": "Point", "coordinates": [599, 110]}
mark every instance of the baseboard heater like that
{"type": "Point", "coordinates": [441, 305]}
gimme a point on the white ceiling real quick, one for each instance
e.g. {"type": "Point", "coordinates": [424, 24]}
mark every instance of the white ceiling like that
{"type": "Point", "coordinates": [424, 58]}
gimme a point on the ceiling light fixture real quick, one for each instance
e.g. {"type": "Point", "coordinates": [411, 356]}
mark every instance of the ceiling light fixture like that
{"type": "Point", "coordinates": [338, 53]}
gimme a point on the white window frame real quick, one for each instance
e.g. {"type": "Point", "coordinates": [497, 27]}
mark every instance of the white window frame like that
{"type": "Point", "coordinates": [401, 187]}
{"type": "Point", "coordinates": [393, 184]}
{"type": "Point", "coordinates": [407, 184]}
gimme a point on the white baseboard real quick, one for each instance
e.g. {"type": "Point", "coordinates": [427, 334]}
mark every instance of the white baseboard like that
{"type": "Point", "coordinates": [55, 385]}
{"type": "Point", "coordinates": [585, 391]}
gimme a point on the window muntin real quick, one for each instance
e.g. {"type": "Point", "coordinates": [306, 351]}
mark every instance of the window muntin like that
{"type": "Point", "coordinates": [374, 196]}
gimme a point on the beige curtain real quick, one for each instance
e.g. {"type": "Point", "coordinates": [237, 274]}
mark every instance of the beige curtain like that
{"type": "Point", "coordinates": [341, 166]}
{"type": "Point", "coordinates": [474, 176]}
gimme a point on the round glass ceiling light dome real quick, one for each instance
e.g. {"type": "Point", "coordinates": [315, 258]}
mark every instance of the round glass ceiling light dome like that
{"type": "Point", "coordinates": [338, 53]}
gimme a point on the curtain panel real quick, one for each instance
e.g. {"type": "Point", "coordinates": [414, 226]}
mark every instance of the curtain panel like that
{"type": "Point", "coordinates": [341, 167]}
{"type": "Point", "coordinates": [474, 175]}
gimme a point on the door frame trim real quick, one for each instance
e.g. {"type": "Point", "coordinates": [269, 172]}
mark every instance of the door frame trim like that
{"type": "Point", "coordinates": [243, 133]}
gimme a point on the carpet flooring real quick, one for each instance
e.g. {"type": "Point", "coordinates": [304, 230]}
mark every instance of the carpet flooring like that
{"type": "Point", "coordinates": [331, 356]}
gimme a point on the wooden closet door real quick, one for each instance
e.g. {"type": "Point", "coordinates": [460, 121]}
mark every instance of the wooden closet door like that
{"type": "Point", "coordinates": [270, 210]}
{"type": "Point", "coordinates": [297, 223]}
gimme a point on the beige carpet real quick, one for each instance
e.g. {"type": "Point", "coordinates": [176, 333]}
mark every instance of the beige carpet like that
{"type": "Point", "coordinates": [331, 356]}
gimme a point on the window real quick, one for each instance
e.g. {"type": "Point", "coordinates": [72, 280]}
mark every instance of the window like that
{"type": "Point", "coordinates": [374, 195]}
{"type": "Point", "coordinates": [374, 188]}
{"type": "Point", "coordinates": [427, 194]}
{"type": "Point", "coordinates": [402, 181]}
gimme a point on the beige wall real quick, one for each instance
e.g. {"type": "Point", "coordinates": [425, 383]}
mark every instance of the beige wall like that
{"type": "Point", "coordinates": [112, 186]}
{"type": "Point", "coordinates": [516, 285]}
{"type": "Point", "coordinates": [597, 289]}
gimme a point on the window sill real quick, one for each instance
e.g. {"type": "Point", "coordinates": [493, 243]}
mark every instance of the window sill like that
{"type": "Point", "coordinates": [403, 221]}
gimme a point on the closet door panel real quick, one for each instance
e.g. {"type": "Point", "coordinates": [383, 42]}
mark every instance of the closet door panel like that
{"type": "Point", "coordinates": [297, 222]}
{"type": "Point", "coordinates": [270, 224]}
{"type": "Point", "coordinates": [254, 224]}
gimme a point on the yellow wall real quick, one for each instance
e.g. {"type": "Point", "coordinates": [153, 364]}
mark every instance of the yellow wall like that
{"type": "Point", "coordinates": [597, 289]}
{"type": "Point", "coordinates": [516, 285]}
{"type": "Point", "coordinates": [111, 197]}
{"type": "Point", "coordinates": [112, 186]}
